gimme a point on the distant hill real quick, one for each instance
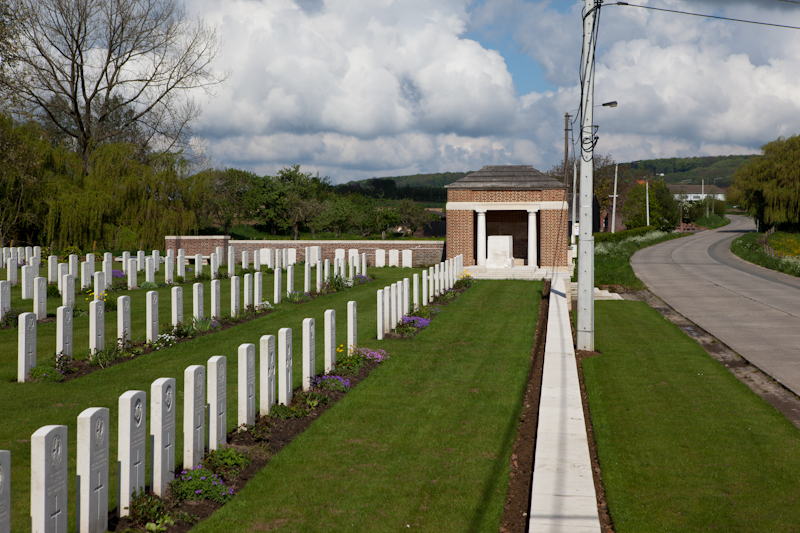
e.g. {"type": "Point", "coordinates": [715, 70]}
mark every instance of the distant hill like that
{"type": "Point", "coordinates": [678, 169]}
{"type": "Point", "coordinates": [419, 180]}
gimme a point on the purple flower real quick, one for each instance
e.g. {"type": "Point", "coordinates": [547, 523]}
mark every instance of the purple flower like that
{"type": "Point", "coordinates": [117, 273]}
{"type": "Point", "coordinates": [198, 491]}
{"type": "Point", "coordinates": [202, 478]}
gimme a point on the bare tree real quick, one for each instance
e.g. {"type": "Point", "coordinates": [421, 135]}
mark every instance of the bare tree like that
{"type": "Point", "coordinates": [98, 71]}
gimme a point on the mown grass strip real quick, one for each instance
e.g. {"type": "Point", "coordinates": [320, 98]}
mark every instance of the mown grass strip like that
{"type": "Point", "coordinates": [612, 263]}
{"type": "Point", "coordinates": [749, 248]}
{"type": "Point", "coordinates": [683, 445]}
{"type": "Point", "coordinates": [424, 442]}
{"type": "Point", "coordinates": [30, 406]}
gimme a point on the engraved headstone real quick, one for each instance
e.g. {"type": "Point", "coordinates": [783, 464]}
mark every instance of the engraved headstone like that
{"type": "Point", "coordinates": [163, 398]}
{"type": "Point", "coordinates": [97, 326]}
{"type": "Point", "coordinates": [123, 320]}
{"type": "Point", "coordinates": [86, 275]}
{"type": "Point", "coordinates": [126, 261]}
{"type": "Point", "coordinates": [214, 261]}
{"type": "Point", "coordinates": [216, 304]}
{"type": "Point", "coordinates": [99, 285]}
{"type": "Point", "coordinates": [11, 271]}
{"type": "Point", "coordinates": [5, 491]}
{"type": "Point", "coordinates": [68, 291]}
{"type": "Point", "coordinates": [256, 261]}
{"type": "Point", "coordinates": [52, 269]}
{"type": "Point", "coordinates": [63, 271]}
{"type": "Point", "coordinates": [40, 298]}
{"type": "Point", "coordinates": [364, 265]}
{"type": "Point", "coordinates": [197, 301]}
{"type": "Point", "coordinates": [194, 415]}
{"type": "Point", "coordinates": [217, 388]}
{"type": "Point", "coordinates": [278, 259]}
{"type": "Point", "coordinates": [387, 313]}
{"type": "Point", "coordinates": [276, 297]}
{"type": "Point", "coordinates": [156, 260]}
{"type": "Point", "coordinates": [266, 355]}
{"type": "Point", "coordinates": [235, 291]}
{"type": "Point", "coordinates": [415, 292]}
{"type": "Point", "coordinates": [169, 270]}
{"type": "Point", "coordinates": [258, 289]}
{"type": "Point", "coordinates": [393, 305]}
{"type": "Point", "coordinates": [245, 259]}
{"type": "Point", "coordinates": [407, 259]}
{"type": "Point", "coordinates": [291, 256]}
{"type": "Point", "coordinates": [307, 277]}
{"type": "Point", "coordinates": [131, 446]}
{"type": "Point", "coordinates": [198, 265]}
{"type": "Point", "coordinates": [394, 258]}
{"type": "Point", "coordinates": [248, 291]}
{"type": "Point", "coordinates": [151, 328]}
{"type": "Point", "coordinates": [140, 260]}
{"type": "Point", "coordinates": [64, 331]}
{"type": "Point", "coordinates": [380, 315]}
{"type": "Point", "coordinates": [318, 271]}
{"type": "Point", "coordinates": [290, 279]}
{"type": "Point", "coordinates": [150, 270]}
{"type": "Point", "coordinates": [5, 298]}
{"type": "Point", "coordinates": [425, 287]}
{"type": "Point", "coordinates": [132, 272]}
{"type": "Point", "coordinates": [181, 264]}
{"type": "Point", "coordinates": [406, 293]}
{"type": "Point", "coordinates": [247, 385]}
{"type": "Point", "coordinates": [177, 305]}
{"type": "Point", "coordinates": [330, 340]}
{"type": "Point", "coordinates": [352, 326]}
{"type": "Point", "coordinates": [326, 272]}
{"type": "Point", "coordinates": [92, 467]}
{"type": "Point", "coordinates": [285, 366]}
{"type": "Point", "coordinates": [266, 257]}
{"type": "Point", "coordinates": [309, 353]}
{"type": "Point", "coordinates": [231, 261]}
{"type": "Point", "coordinates": [49, 460]}
{"type": "Point", "coordinates": [27, 282]}
{"type": "Point", "coordinates": [73, 262]}
{"type": "Point", "coordinates": [26, 345]}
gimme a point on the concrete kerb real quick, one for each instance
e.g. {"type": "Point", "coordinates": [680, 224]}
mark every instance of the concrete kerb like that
{"type": "Point", "coordinates": [562, 489]}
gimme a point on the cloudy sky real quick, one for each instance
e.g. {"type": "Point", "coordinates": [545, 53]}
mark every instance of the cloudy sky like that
{"type": "Point", "coordinates": [361, 88]}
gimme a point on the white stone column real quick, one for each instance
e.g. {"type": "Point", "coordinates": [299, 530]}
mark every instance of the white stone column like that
{"type": "Point", "coordinates": [481, 259]}
{"type": "Point", "coordinates": [248, 291]}
{"type": "Point", "coordinates": [533, 239]}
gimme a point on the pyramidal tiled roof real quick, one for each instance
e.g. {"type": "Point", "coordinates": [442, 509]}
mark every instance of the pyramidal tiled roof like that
{"type": "Point", "coordinates": [507, 178]}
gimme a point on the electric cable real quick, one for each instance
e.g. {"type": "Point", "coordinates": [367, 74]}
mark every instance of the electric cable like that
{"type": "Point", "coordinates": [710, 16]}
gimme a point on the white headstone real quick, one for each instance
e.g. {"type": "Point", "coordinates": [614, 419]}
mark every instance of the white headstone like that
{"type": "Point", "coordinates": [277, 293]}
{"type": "Point", "coordinates": [290, 279]}
{"type": "Point", "coordinates": [123, 320]}
{"type": "Point", "coordinates": [309, 352]}
{"type": "Point", "coordinates": [131, 447]}
{"type": "Point", "coordinates": [327, 270]}
{"type": "Point", "coordinates": [306, 277]}
{"type": "Point", "coordinates": [380, 314]}
{"type": "Point", "coordinates": [5, 491]}
{"type": "Point", "coordinates": [198, 265]}
{"type": "Point", "coordinates": [318, 271]}
{"type": "Point", "coordinates": [157, 260]}
{"type": "Point", "coordinates": [11, 271]}
{"type": "Point", "coordinates": [5, 298]}
{"type": "Point", "coordinates": [364, 265]}
{"type": "Point", "coordinates": [26, 345]}
{"type": "Point", "coordinates": [437, 289]}
{"type": "Point", "coordinates": [163, 397]}
{"type": "Point", "coordinates": [177, 305]}
{"type": "Point", "coordinates": [140, 259]}
{"type": "Point", "coordinates": [248, 291]}
{"type": "Point", "coordinates": [169, 270]}
{"type": "Point", "coordinates": [339, 253]}
{"type": "Point", "coordinates": [220, 254]}
{"type": "Point", "coordinates": [406, 294]}
{"type": "Point", "coordinates": [387, 312]}
{"type": "Point", "coordinates": [99, 285]}
{"type": "Point", "coordinates": [150, 270]}
{"type": "Point", "coordinates": [68, 291]}
{"type": "Point", "coordinates": [394, 258]}
{"type": "Point", "coordinates": [415, 292]}
{"type": "Point", "coordinates": [278, 259]}
{"type": "Point", "coordinates": [197, 301]}
{"type": "Point", "coordinates": [181, 262]}
{"type": "Point", "coordinates": [407, 259]}
{"type": "Point", "coordinates": [231, 261]}
{"type": "Point", "coordinates": [52, 269]}
{"type": "Point", "coordinates": [86, 275]}
{"type": "Point", "coordinates": [352, 326]}
{"type": "Point", "coordinates": [151, 327]}
{"type": "Point", "coordinates": [256, 261]}
{"type": "Point", "coordinates": [132, 273]}
{"type": "Point", "coordinates": [399, 301]}
{"type": "Point", "coordinates": [97, 326]}
{"type": "Point", "coordinates": [108, 273]}
{"type": "Point", "coordinates": [92, 469]}
{"type": "Point", "coordinates": [235, 291]}
{"type": "Point", "coordinates": [258, 289]}
{"type": "Point", "coordinates": [49, 460]}
{"type": "Point", "coordinates": [425, 287]}
{"type": "Point", "coordinates": [247, 385]}
{"type": "Point", "coordinates": [393, 306]}
{"type": "Point", "coordinates": [63, 271]}
{"type": "Point", "coordinates": [217, 402]}
{"type": "Point", "coordinates": [40, 298]}
{"type": "Point", "coordinates": [266, 257]}
{"type": "Point", "coordinates": [291, 256]}
{"type": "Point", "coordinates": [245, 259]}
{"type": "Point", "coordinates": [194, 415]}
{"type": "Point", "coordinates": [27, 282]}
{"type": "Point", "coordinates": [216, 304]}
{"type": "Point", "coordinates": [64, 343]}
{"type": "Point", "coordinates": [352, 255]}
{"type": "Point", "coordinates": [330, 341]}
{"type": "Point", "coordinates": [73, 262]}
{"type": "Point", "coordinates": [285, 366]}
{"type": "Point", "coordinates": [108, 256]}
{"type": "Point", "coordinates": [126, 261]}
{"type": "Point", "coordinates": [350, 269]}
{"type": "Point", "coordinates": [431, 288]}
{"type": "Point", "coordinates": [266, 356]}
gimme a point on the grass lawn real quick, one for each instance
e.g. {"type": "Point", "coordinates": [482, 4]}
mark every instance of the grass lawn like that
{"type": "Point", "coordinates": [683, 445]}
{"type": "Point", "coordinates": [29, 406]}
{"type": "Point", "coordinates": [713, 221]}
{"type": "Point", "coordinates": [748, 248]}
{"type": "Point", "coordinates": [788, 243]}
{"type": "Point", "coordinates": [424, 442]}
{"type": "Point", "coordinates": [612, 263]}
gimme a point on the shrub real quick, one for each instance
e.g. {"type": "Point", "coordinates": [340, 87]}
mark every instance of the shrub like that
{"type": "Point", "coordinates": [226, 462]}
{"type": "Point", "coordinates": [148, 285]}
{"type": "Point", "coordinates": [52, 291]}
{"type": "Point", "coordinates": [200, 484]}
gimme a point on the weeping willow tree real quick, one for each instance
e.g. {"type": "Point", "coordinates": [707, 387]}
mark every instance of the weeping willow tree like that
{"type": "Point", "coordinates": [768, 186]}
{"type": "Point", "coordinates": [124, 202]}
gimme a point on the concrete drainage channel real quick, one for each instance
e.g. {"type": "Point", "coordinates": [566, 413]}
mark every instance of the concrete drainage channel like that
{"type": "Point", "coordinates": [762, 384]}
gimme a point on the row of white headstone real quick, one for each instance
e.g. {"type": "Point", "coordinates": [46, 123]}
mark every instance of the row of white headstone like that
{"type": "Point", "coordinates": [205, 389]}
{"type": "Point", "coordinates": [395, 301]}
{"type": "Point", "coordinates": [27, 328]}
{"type": "Point", "coordinates": [19, 254]}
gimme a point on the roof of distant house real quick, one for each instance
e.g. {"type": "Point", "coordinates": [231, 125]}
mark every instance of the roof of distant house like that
{"type": "Point", "coordinates": [507, 178]}
{"type": "Point", "coordinates": [682, 188]}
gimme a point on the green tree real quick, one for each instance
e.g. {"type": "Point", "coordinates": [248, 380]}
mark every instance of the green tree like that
{"type": "Point", "coordinates": [634, 211]}
{"type": "Point", "coordinates": [304, 195]}
{"type": "Point", "coordinates": [768, 186]}
{"type": "Point", "coordinates": [412, 216]}
{"type": "Point", "coordinates": [227, 200]}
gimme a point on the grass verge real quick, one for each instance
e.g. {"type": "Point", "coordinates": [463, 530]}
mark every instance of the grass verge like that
{"type": "Point", "coordinates": [425, 442]}
{"type": "Point", "coordinates": [749, 248]}
{"type": "Point", "coordinates": [684, 446]}
{"type": "Point", "coordinates": [713, 221]}
{"type": "Point", "coordinates": [612, 260]}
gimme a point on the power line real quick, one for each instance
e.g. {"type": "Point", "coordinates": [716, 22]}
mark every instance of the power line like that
{"type": "Point", "coordinates": [713, 16]}
{"type": "Point", "coordinates": [790, 1]}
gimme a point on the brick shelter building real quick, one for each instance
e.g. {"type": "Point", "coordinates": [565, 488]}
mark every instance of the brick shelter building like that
{"type": "Point", "coordinates": [515, 200]}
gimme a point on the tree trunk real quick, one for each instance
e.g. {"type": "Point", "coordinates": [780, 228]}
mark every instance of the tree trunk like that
{"type": "Point", "coordinates": [383, 235]}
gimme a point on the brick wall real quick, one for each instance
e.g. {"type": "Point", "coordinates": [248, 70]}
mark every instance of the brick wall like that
{"type": "Point", "coordinates": [425, 253]}
{"type": "Point", "coordinates": [553, 224]}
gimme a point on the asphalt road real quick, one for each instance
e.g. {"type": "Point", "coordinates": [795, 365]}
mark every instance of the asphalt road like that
{"type": "Point", "coordinates": [754, 310]}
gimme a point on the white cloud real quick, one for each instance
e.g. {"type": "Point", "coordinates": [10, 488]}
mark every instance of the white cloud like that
{"type": "Point", "coordinates": [361, 88]}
